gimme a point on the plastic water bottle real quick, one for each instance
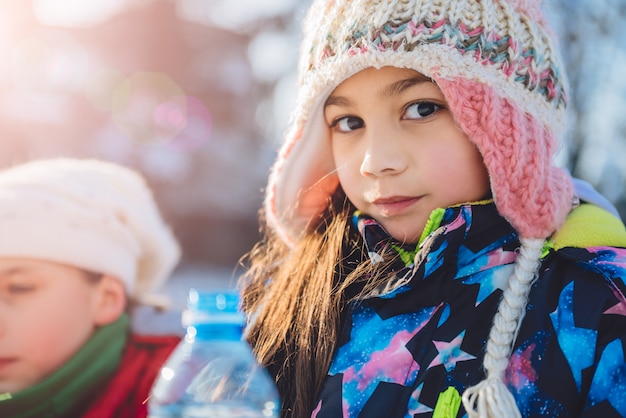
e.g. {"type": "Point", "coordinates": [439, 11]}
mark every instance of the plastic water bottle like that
{"type": "Point", "coordinates": [213, 372]}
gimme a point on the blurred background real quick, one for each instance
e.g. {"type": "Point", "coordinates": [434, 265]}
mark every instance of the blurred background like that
{"type": "Point", "coordinates": [196, 94]}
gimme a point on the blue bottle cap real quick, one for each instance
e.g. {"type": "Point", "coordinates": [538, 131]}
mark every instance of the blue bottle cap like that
{"type": "Point", "coordinates": [212, 307]}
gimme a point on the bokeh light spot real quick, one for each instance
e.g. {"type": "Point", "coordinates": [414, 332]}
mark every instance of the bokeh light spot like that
{"type": "Point", "coordinates": [170, 116]}
{"type": "Point", "coordinates": [139, 103]}
{"type": "Point", "coordinates": [197, 127]}
{"type": "Point", "coordinates": [100, 87]}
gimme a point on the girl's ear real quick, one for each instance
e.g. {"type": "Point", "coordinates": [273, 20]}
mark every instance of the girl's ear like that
{"type": "Point", "coordinates": [110, 301]}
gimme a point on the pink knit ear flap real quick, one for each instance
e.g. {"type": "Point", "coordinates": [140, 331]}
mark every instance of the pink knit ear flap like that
{"type": "Point", "coordinates": [529, 191]}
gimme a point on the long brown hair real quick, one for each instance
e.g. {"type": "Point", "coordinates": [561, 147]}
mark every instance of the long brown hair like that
{"type": "Point", "coordinates": [295, 296]}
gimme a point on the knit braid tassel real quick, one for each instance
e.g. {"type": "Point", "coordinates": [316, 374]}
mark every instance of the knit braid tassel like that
{"type": "Point", "coordinates": [491, 398]}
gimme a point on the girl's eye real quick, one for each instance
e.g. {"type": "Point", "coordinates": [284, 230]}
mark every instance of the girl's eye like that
{"type": "Point", "coordinates": [420, 110]}
{"type": "Point", "coordinates": [347, 124]}
{"type": "Point", "coordinates": [17, 289]}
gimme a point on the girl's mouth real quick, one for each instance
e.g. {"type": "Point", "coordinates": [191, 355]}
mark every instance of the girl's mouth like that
{"type": "Point", "coordinates": [6, 361]}
{"type": "Point", "coordinates": [394, 205]}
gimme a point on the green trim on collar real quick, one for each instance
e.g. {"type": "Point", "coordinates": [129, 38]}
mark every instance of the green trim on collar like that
{"type": "Point", "coordinates": [69, 390]}
{"type": "Point", "coordinates": [436, 216]}
{"type": "Point", "coordinates": [588, 226]}
{"type": "Point", "coordinates": [433, 222]}
{"type": "Point", "coordinates": [407, 256]}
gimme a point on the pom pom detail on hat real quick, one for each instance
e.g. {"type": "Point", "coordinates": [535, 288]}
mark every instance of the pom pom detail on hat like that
{"type": "Point", "coordinates": [90, 214]}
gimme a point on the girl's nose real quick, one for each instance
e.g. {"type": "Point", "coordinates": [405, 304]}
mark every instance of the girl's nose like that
{"type": "Point", "coordinates": [383, 156]}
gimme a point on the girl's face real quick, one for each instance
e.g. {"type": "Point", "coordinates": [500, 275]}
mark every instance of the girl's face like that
{"type": "Point", "coordinates": [399, 155]}
{"type": "Point", "coordinates": [48, 312]}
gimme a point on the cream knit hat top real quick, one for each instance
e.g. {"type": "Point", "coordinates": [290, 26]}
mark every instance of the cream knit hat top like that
{"type": "Point", "coordinates": [90, 214]}
{"type": "Point", "coordinates": [499, 70]}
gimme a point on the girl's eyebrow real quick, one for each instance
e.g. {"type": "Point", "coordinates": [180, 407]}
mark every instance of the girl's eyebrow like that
{"type": "Point", "coordinates": [337, 101]}
{"type": "Point", "coordinates": [395, 88]}
{"type": "Point", "coordinates": [401, 86]}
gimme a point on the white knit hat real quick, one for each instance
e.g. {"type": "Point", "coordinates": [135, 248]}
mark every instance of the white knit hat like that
{"type": "Point", "coordinates": [90, 214]}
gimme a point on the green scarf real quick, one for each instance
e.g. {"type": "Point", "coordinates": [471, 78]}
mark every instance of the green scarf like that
{"type": "Point", "coordinates": [69, 391]}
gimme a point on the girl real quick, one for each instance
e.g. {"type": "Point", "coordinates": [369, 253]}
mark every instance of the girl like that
{"type": "Point", "coordinates": [422, 255]}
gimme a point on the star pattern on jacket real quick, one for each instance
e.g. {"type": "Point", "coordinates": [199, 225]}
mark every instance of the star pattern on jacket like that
{"type": "Point", "coordinates": [620, 307]}
{"type": "Point", "coordinates": [423, 333]}
{"type": "Point", "coordinates": [415, 407]}
{"type": "Point", "coordinates": [380, 356]}
{"type": "Point", "coordinates": [577, 343]}
{"type": "Point", "coordinates": [450, 353]}
{"type": "Point", "coordinates": [610, 381]}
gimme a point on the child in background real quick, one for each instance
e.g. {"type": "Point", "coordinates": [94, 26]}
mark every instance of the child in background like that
{"type": "Point", "coordinates": [422, 255]}
{"type": "Point", "coordinates": [80, 241]}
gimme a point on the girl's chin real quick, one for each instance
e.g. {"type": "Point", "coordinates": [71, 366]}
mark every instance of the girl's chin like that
{"type": "Point", "coordinates": [404, 235]}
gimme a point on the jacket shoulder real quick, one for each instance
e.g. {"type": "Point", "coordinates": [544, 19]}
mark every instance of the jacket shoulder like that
{"type": "Point", "coordinates": [589, 226]}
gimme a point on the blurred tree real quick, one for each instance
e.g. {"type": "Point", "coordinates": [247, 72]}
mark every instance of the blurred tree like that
{"type": "Point", "coordinates": [591, 36]}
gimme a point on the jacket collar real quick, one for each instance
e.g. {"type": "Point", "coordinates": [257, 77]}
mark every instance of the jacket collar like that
{"type": "Point", "coordinates": [461, 239]}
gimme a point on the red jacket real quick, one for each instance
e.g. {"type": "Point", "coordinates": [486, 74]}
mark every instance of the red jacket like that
{"type": "Point", "coordinates": [126, 394]}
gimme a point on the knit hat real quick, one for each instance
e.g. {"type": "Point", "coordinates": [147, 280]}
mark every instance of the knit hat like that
{"type": "Point", "coordinates": [90, 214]}
{"type": "Point", "coordinates": [497, 66]}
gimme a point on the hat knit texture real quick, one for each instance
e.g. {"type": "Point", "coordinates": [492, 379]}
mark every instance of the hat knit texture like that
{"type": "Point", "coordinates": [499, 70]}
{"type": "Point", "coordinates": [89, 214]}
{"type": "Point", "coordinates": [494, 61]}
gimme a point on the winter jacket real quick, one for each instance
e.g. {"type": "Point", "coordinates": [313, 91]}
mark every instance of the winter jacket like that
{"type": "Point", "coordinates": [413, 347]}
